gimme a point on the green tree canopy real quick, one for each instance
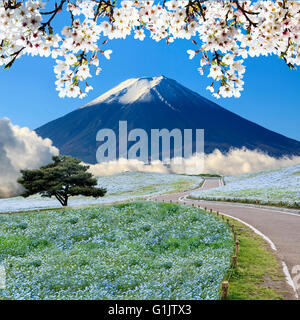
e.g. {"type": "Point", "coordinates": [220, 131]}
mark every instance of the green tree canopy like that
{"type": "Point", "coordinates": [62, 178]}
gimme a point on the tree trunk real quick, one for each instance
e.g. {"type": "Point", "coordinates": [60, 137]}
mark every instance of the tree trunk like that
{"type": "Point", "coordinates": [63, 200]}
{"type": "Point", "coordinates": [65, 204]}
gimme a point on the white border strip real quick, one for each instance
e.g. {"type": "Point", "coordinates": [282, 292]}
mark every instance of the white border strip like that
{"type": "Point", "coordinates": [251, 207]}
{"type": "Point", "coordinates": [228, 203]}
{"type": "Point", "coordinates": [288, 278]}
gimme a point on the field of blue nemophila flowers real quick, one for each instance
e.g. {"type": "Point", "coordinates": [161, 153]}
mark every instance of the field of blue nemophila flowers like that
{"type": "Point", "coordinates": [120, 187]}
{"type": "Point", "coordinates": [136, 250]}
{"type": "Point", "coordinates": [276, 186]}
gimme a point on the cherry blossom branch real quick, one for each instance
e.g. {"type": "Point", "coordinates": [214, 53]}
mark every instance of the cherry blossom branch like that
{"type": "Point", "coordinates": [228, 33]}
{"type": "Point", "coordinates": [15, 56]}
{"type": "Point", "coordinates": [246, 13]}
{"type": "Point", "coordinates": [12, 4]}
{"type": "Point", "coordinates": [53, 13]}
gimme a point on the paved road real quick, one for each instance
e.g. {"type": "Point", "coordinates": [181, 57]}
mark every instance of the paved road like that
{"type": "Point", "coordinates": [281, 228]}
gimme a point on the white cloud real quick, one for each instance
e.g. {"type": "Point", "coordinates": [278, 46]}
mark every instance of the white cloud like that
{"type": "Point", "coordinates": [123, 165]}
{"type": "Point", "coordinates": [239, 161]}
{"type": "Point", "coordinates": [236, 161]}
{"type": "Point", "coordinates": [20, 148]}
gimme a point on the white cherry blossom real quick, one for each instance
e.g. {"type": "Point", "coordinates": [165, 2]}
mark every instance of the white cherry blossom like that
{"type": "Point", "coordinates": [224, 32]}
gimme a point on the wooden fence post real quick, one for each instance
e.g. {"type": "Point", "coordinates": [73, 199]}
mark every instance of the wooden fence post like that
{"type": "Point", "coordinates": [237, 247]}
{"type": "Point", "coordinates": [235, 237]}
{"type": "Point", "coordinates": [225, 289]}
{"type": "Point", "coordinates": [234, 261]}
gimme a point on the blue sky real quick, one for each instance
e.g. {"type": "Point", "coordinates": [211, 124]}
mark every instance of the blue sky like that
{"type": "Point", "coordinates": [270, 98]}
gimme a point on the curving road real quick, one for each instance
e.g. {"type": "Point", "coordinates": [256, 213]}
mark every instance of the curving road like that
{"type": "Point", "coordinates": [281, 228]}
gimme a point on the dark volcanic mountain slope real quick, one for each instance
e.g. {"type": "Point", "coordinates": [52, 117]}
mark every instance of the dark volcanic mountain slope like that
{"type": "Point", "coordinates": [157, 103]}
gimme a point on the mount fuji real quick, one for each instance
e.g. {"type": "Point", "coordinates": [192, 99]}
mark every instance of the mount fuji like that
{"type": "Point", "coordinates": [157, 103]}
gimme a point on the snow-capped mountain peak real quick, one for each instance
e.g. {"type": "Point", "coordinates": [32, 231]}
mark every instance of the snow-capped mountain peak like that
{"type": "Point", "coordinates": [160, 103]}
{"type": "Point", "coordinates": [129, 91]}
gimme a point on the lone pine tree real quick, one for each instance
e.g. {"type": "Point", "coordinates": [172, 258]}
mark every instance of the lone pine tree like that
{"type": "Point", "coordinates": [62, 178]}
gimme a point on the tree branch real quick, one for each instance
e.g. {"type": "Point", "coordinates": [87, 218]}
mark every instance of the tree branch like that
{"type": "Point", "coordinates": [245, 13]}
{"type": "Point", "coordinates": [54, 13]}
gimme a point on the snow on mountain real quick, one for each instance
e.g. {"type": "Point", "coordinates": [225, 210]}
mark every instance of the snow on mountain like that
{"type": "Point", "coordinates": [129, 91]}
